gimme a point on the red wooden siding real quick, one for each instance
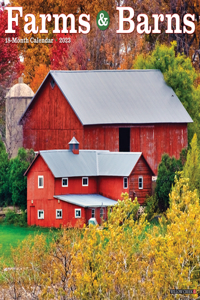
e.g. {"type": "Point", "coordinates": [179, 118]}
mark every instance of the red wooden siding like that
{"type": "Point", "coordinates": [51, 122]}
{"type": "Point", "coordinates": [141, 169]}
{"type": "Point", "coordinates": [111, 187]}
{"type": "Point", "coordinates": [155, 140]}
{"type": "Point", "coordinates": [49, 207]}
{"type": "Point", "coordinates": [75, 186]}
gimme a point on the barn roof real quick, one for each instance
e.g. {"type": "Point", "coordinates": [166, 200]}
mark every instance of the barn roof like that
{"type": "Point", "coordinates": [92, 200]}
{"type": "Point", "coordinates": [63, 163]}
{"type": "Point", "coordinates": [119, 97]}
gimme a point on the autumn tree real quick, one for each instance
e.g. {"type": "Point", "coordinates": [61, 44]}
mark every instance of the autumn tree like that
{"type": "Point", "coordinates": [40, 73]}
{"type": "Point", "coordinates": [129, 259]}
{"type": "Point", "coordinates": [69, 55]}
{"type": "Point", "coordinates": [10, 66]}
{"type": "Point", "coordinates": [191, 168]}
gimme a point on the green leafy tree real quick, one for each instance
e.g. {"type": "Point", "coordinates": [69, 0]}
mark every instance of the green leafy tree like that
{"type": "Point", "coordinates": [18, 183]}
{"type": "Point", "coordinates": [177, 70]}
{"type": "Point", "coordinates": [166, 173]}
{"type": "Point", "coordinates": [191, 168]}
{"type": "Point", "coordinates": [180, 75]}
{"type": "Point", "coordinates": [5, 197]}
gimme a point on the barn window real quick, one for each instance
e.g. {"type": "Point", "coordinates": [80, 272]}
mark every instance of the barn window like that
{"type": "Point", "coordinates": [40, 214]}
{"type": "Point", "coordinates": [85, 181]}
{"type": "Point", "coordinates": [40, 182]}
{"type": "Point", "coordinates": [124, 139]}
{"type": "Point", "coordinates": [77, 213]}
{"type": "Point", "coordinates": [93, 213]}
{"type": "Point", "coordinates": [125, 182]}
{"type": "Point", "coordinates": [64, 181]}
{"type": "Point", "coordinates": [140, 182]}
{"type": "Point", "coordinates": [58, 213]}
{"type": "Point", "coordinates": [101, 213]}
{"type": "Point", "coordinates": [52, 83]}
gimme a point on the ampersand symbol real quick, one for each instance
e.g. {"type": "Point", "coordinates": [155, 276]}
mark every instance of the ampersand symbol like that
{"type": "Point", "coordinates": [102, 21]}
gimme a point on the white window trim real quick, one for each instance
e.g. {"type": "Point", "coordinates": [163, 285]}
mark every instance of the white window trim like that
{"type": "Point", "coordinates": [127, 183]}
{"type": "Point", "coordinates": [94, 213]}
{"type": "Point", "coordinates": [140, 188]}
{"type": "Point", "coordinates": [77, 209]}
{"type": "Point", "coordinates": [61, 213]}
{"type": "Point", "coordinates": [101, 209]}
{"type": "Point", "coordinates": [40, 218]}
{"type": "Point", "coordinates": [87, 181]}
{"type": "Point", "coordinates": [40, 187]}
{"type": "Point", "coordinates": [62, 182]}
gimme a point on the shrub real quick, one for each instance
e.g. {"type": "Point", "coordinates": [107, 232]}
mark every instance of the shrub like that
{"type": "Point", "coordinates": [16, 219]}
{"type": "Point", "coordinates": [151, 207]}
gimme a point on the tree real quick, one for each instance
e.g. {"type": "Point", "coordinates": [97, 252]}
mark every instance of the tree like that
{"type": "Point", "coordinates": [177, 70]}
{"type": "Point", "coordinates": [17, 180]}
{"type": "Point", "coordinates": [166, 173]}
{"type": "Point", "coordinates": [40, 73]}
{"type": "Point", "coordinates": [130, 260]}
{"type": "Point", "coordinates": [191, 168]}
{"type": "Point", "coordinates": [5, 196]}
{"type": "Point", "coordinates": [179, 74]}
{"type": "Point", "coordinates": [68, 56]}
{"type": "Point", "coordinates": [10, 65]}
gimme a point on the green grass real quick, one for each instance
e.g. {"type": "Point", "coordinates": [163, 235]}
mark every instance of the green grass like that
{"type": "Point", "coordinates": [11, 235]}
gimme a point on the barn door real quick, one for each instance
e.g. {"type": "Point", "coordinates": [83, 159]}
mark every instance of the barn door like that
{"type": "Point", "coordinates": [124, 139]}
{"type": "Point", "coordinates": [32, 215]}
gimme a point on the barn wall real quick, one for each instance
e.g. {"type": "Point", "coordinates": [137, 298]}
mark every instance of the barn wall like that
{"type": "Point", "coordinates": [111, 187]}
{"type": "Point", "coordinates": [141, 169]}
{"type": "Point", "coordinates": [39, 168]}
{"type": "Point", "coordinates": [75, 186]}
{"type": "Point", "coordinates": [49, 207]}
{"type": "Point", "coordinates": [155, 140]}
{"type": "Point", "coordinates": [51, 122]}
{"type": "Point", "coordinates": [152, 140]}
{"type": "Point", "coordinates": [101, 138]}
{"type": "Point", "coordinates": [97, 214]}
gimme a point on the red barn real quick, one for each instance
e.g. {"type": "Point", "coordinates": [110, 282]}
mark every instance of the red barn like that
{"type": "Point", "coordinates": [64, 186]}
{"type": "Point", "coordinates": [126, 110]}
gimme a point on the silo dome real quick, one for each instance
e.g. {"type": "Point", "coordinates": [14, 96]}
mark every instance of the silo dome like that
{"type": "Point", "coordinates": [17, 100]}
{"type": "Point", "coordinates": [20, 90]}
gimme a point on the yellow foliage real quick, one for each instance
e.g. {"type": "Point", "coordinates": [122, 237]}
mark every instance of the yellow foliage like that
{"type": "Point", "coordinates": [125, 260]}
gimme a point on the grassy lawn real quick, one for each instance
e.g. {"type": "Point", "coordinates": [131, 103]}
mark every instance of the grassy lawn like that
{"type": "Point", "coordinates": [11, 235]}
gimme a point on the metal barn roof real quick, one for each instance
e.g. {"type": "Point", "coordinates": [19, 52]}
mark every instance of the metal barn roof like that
{"type": "Point", "coordinates": [117, 163]}
{"type": "Point", "coordinates": [120, 97]}
{"type": "Point", "coordinates": [92, 200]}
{"type": "Point", "coordinates": [63, 163]}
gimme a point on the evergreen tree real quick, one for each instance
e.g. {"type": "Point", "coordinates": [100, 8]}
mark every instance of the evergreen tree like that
{"type": "Point", "coordinates": [166, 173]}
{"type": "Point", "coordinates": [18, 182]}
{"type": "Point", "coordinates": [5, 197]}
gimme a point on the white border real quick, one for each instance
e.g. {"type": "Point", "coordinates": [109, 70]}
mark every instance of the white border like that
{"type": "Point", "coordinates": [140, 188]}
{"type": "Point", "coordinates": [67, 182]}
{"type": "Point", "coordinates": [40, 218]}
{"type": "Point", "coordinates": [56, 214]}
{"type": "Point", "coordinates": [94, 212]}
{"type": "Point", "coordinates": [77, 209]}
{"type": "Point", "coordinates": [87, 181]}
{"type": "Point", "coordinates": [127, 183]}
{"type": "Point", "coordinates": [41, 187]}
